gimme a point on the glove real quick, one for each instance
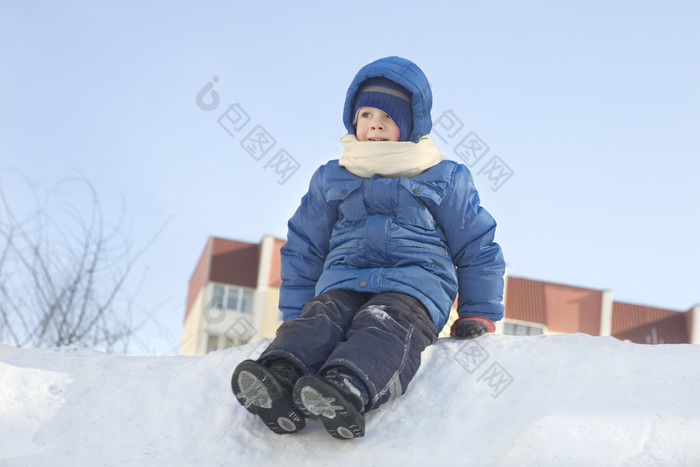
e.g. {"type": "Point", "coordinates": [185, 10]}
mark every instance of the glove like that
{"type": "Point", "coordinates": [469, 327]}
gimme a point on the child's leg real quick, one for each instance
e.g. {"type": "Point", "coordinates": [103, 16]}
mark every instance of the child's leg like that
{"type": "Point", "coordinates": [307, 341]}
{"type": "Point", "coordinates": [264, 387]}
{"type": "Point", "coordinates": [383, 346]}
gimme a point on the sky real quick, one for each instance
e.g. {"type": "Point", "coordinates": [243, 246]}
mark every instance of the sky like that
{"type": "Point", "coordinates": [578, 120]}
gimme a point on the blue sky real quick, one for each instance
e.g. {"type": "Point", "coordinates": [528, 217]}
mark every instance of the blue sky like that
{"type": "Point", "coordinates": [590, 109]}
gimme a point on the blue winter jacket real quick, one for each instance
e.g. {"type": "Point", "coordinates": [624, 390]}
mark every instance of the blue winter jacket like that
{"type": "Point", "coordinates": [395, 234]}
{"type": "Point", "coordinates": [425, 236]}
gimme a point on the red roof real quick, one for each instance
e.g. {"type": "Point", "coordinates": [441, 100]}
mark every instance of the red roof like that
{"type": "Point", "coordinates": [525, 300]}
{"type": "Point", "coordinates": [225, 261]}
{"type": "Point", "coordinates": [275, 279]}
{"type": "Point", "coordinates": [562, 308]}
{"type": "Point", "coordinates": [649, 325]}
{"type": "Point", "coordinates": [234, 263]}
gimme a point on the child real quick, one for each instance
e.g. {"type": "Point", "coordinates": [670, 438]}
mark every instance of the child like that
{"type": "Point", "coordinates": [375, 255]}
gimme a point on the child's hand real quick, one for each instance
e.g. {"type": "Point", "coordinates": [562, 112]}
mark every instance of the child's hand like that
{"type": "Point", "coordinates": [469, 327]}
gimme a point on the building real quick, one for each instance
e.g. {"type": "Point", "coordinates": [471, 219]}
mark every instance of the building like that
{"type": "Point", "coordinates": [232, 296]}
{"type": "Point", "coordinates": [537, 307]}
{"type": "Point", "coordinates": [234, 291]}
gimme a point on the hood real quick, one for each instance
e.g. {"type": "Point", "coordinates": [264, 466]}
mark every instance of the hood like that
{"type": "Point", "coordinates": [407, 74]}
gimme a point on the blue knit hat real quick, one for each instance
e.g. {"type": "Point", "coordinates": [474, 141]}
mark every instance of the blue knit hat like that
{"type": "Point", "coordinates": [390, 97]}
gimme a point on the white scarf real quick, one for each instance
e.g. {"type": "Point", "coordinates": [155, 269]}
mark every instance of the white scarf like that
{"type": "Point", "coordinates": [389, 158]}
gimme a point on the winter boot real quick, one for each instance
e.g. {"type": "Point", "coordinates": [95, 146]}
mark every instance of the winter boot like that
{"type": "Point", "coordinates": [267, 392]}
{"type": "Point", "coordinates": [330, 399]}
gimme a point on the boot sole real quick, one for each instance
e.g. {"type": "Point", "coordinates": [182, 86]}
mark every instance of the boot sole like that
{"type": "Point", "coordinates": [317, 398]}
{"type": "Point", "coordinates": [257, 389]}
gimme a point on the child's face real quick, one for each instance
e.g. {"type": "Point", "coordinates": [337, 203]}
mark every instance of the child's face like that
{"type": "Point", "coordinates": [374, 125]}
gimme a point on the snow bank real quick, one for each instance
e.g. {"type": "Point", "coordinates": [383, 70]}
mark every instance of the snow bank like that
{"type": "Point", "coordinates": [498, 400]}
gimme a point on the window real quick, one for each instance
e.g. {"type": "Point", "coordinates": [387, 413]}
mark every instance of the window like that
{"type": "Point", "coordinates": [212, 343]}
{"type": "Point", "coordinates": [246, 301]}
{"type": "Point", "coordinates": [513, 329]}
{"type": "Point", "coordinates": [218, 342]}
{"type": "Point", "coordinates": [217, 300]}
{"type": "Point", "coordinates": [232, 298]}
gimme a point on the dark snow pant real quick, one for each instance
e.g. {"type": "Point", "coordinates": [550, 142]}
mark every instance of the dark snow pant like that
{"type": "Point", "coordinates": [378, 337]}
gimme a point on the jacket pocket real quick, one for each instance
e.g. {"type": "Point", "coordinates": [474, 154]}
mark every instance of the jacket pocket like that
{"type": "Point", "coordinates": [416, 202]}
{"type": "Point", "coordinates": [347, 195]}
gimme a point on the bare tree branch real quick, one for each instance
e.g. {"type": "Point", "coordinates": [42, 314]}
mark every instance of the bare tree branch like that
{"type": "Point", "coordinates": [61, 273]}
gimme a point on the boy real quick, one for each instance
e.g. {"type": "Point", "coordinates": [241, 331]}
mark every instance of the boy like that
{"type": "Point", "coordinates": [375, 255]}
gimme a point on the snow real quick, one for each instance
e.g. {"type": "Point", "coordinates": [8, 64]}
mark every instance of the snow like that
{"type": "Point", "coordinates": [555, 400]}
